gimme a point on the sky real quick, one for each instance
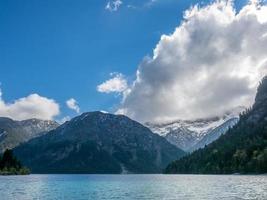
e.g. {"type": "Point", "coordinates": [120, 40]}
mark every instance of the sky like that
{"type": "Point", "coordinates": [151, 60]}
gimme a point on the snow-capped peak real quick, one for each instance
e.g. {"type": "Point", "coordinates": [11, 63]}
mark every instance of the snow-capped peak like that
{"type": "Point", "coordinates": [187, 133]}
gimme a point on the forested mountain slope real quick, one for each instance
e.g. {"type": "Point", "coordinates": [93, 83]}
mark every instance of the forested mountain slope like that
{"type": "Point", "coordinates": [97, 142]}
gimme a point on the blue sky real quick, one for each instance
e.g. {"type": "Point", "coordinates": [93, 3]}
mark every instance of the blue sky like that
{"type": "Point", "coordinates": [64, 49]}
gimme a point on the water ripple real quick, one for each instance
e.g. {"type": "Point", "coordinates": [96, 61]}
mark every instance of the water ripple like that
{"type": "Point", "coordinates": [124, 187]}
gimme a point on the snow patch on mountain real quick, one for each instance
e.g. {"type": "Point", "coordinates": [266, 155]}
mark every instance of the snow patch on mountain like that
{"type": "Point", "coordinates": [186, 134]}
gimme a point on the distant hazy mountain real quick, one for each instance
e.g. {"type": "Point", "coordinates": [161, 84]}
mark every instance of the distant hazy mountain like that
{"type": "Point", "coordinates": [195, 134]}
{"type": "Point", "coordinates": [13, 133]}
{"type": "Point", "coordinates": [243, 149]}
{"type": "Point", "coordinates": [97, 142]}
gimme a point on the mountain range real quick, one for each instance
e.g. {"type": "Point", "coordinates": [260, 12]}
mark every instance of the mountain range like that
{"type": "Point", "coordinates": [243, 149]}
{"type": "Point", "coordinates": [190, 135]}
{"type": "Point", "coordinates": [14, 133]}
{"type": "Point", "coordinates": [97, 142]}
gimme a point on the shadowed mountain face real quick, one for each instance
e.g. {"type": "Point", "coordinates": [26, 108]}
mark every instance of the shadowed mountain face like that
{"type": "Point", "coordinates": [13, 133]}
{"type": "Point", "coordinates": [96, 142]}
{"type": "Point", "coordinates": [243, 149]}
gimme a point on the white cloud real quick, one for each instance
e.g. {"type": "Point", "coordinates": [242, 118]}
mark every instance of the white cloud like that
{"type": "Point", "coordinates": [210, 64]}
{"type": "Point", "coordinates": [73, 105]}
{"type": "Point", "coordinates": [146, 4]}
{"type": "Point", "coordinates": [32, 106]}
{"type": "Point", "coordinates": [114, 5]}
{"type": "Point", "coordinates": [103, 111]}
{"type": "Point", "coordinates": [116, 84]}
{"type": "Point", "coordinates": [64, 119]}
{"type": "Point", "coordinates": [150, 3]}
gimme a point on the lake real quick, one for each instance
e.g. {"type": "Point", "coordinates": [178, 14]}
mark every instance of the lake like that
{"type": "Point", "coordinates": [118, 187]}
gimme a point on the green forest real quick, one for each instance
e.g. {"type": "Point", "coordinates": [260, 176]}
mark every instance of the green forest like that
{"type": "Point", "coordinates": [9, 165]}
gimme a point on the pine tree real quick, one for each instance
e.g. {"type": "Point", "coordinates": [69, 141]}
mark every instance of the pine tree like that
{"type": "Point", "coordinates": [9, 165]}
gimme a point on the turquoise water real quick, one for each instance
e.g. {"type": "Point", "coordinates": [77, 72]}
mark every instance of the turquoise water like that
{"type": "Point", "coordinates": [78, 187]}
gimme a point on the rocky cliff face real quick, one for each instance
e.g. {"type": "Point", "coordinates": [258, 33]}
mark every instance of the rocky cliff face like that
{"type": "Point", "coordinates": [97, 142]}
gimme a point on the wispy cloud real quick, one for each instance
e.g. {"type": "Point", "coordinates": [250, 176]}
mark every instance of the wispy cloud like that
{"type": "Point", "coordinates": [114, 5]}
{"type": "Point", "coordinates": [146, 4]}
{"type": "Point", "coordinates": [73, 105]}
{"type": "Point", "coordinates": [64, 119]}
{"type": "Point", "coordinates": [150, 3]}
{"type": "Point", "coordinates": [116, 84]}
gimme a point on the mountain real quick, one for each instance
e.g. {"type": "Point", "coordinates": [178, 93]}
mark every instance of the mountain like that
{"type": "Point", "coordinates": [190, 135]}
{"type": "Point", "coordinates": [13, 133]}
{"type": "Point", "coordinates": [243, 149]}
{"type": "Point", "coordinates": [97, 142]}
{"type": "Point", "coordinates": [215, 133]}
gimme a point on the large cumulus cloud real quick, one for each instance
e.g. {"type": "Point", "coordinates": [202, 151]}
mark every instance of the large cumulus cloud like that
{"type": "Point", "coordinates": [211, 63]}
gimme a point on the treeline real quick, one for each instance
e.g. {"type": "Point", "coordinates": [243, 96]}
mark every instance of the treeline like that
{"type": "Point", "coordinates": [243, 149]}
{"type": "Point", "coordinates": [9, 165]}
